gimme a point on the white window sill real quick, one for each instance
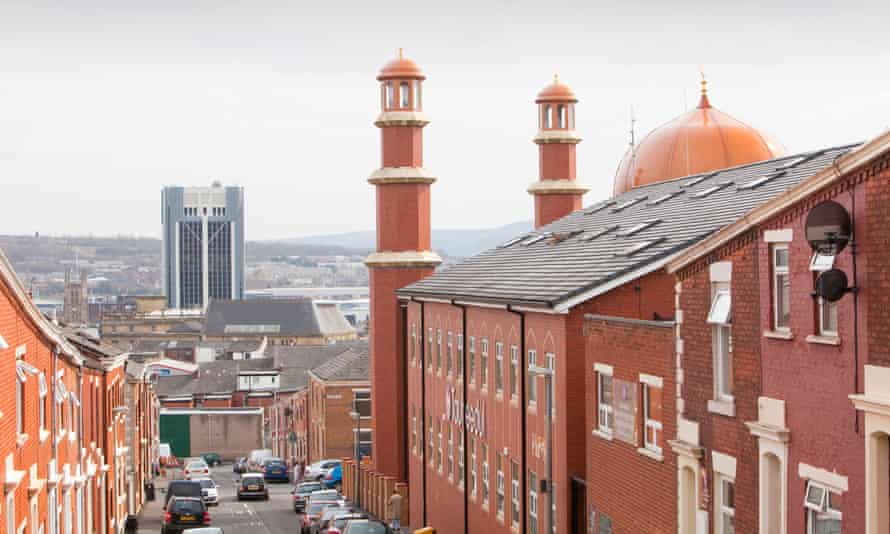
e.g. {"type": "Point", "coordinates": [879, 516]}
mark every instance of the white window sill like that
{"type": "Point", "coordinates": [21, 440]}
{"type": "Point", "coordinates": [655, 455]}
{"type": "Point", "coordinates": [72, 437]}
{"type": "Point", "coordinates": [44, 435]}
{"type": "Point", "coordinates": [722, 407]}
{"type": "Point", "coordinates": [602, 434]}
{"type": "Point", "coordinates": [824, 340]}
{"type": "Point", "coordinates": [778, 334]}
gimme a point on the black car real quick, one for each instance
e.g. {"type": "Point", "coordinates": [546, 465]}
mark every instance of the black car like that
{"type": "Point", "coordinates": [252, 485]}
{"type": "Point", "coordinates": [182, 488]}
{"type": "Point", "coordinates": [183, 513]}
{"type": "Point", "coordinates": [301, 494]}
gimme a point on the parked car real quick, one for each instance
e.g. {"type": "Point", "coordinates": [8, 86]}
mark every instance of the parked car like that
{"type": "Point", "coordinates": [319, 469]}
{"type": "Point", "coordinates": [338, 523]}
{"type": "Point", "coordinates": [209, 490]}
{"type": "Point", "coordinates": [321, 525]}
{"type": "Point", "coordinates": [313, 512]}
{"type": "Point", "coordinates": [275, 469]}
{"type": "Point", "coordinates": [301, 493]}
{"type": "Point", "coordinates": [182, 488]}
{"type": "Point", "coordinates": [252, 485]}
{"type": "Point", "coordinates": [239, 465]}
{"type": "Point", "coordinates": [204, 530]}
{"type": "Point", "coordinates": [196, 469]}
{"type": "Point", "coordinates": [334, 478]}
{"type": "Point", "coordinates": [366, 526]}
{"type": "Point", "coordinates": [184, 512]}
{"type": "Point", "coordinates": [256, 457]}
{"type": "Point", "coordinates": [212, 458]}
{"type": "Point", "coordinates": [323, 495]}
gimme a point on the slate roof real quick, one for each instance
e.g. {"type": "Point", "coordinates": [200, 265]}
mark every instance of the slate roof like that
{"type": "Point", "coordinates": [352, 364]}
{"type": "Point", "coordinates": [219, 376]}
{"type": "Point", "coordinates": [89, 345]}
{"type": "Point", "coordinates": [186, 327]}
{"type": "Point", "coordinates": [296, 361]}
{"type": "Point", "coordinates": [269, 317]}
{"type": "Point", "coordinates": [598, 244]}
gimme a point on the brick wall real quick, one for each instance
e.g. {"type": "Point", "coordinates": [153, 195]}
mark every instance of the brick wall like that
{"type": "Point", "coordinates": [876, 246]}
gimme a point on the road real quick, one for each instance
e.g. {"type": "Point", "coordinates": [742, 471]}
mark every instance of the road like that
{"type": "Point", "coordinates": [275, 516]}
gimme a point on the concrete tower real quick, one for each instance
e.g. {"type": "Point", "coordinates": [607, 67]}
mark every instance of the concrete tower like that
{"type": "Point", "coordinates": [556, 192]}
{"type": "Point", "coordinates": [403, 253]}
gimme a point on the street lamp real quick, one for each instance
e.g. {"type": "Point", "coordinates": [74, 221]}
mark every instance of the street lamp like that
{"type": "Point", "coordinates": [356, 414]}
{"type": "Point", "coordinates": [547, 373]}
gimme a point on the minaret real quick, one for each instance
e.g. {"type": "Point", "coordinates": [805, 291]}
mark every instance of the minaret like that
{"type": "Point", "coordinates": [556, 192]}
{"type": "Point", "coordinates": [403, 253]}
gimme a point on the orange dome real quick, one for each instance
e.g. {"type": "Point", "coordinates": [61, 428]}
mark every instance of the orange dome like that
{"type": "Point", "coordinates": [702, 140]}
{"type": "Point", "coordinates": [556, 92]}
{"type": "Point", "coordinates": [401, 67]}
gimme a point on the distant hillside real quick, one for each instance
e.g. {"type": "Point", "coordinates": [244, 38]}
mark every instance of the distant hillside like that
{"type": "Point", "coordinates": [460, 243]}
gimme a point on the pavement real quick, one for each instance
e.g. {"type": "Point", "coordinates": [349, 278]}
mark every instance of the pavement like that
{"type": "Point", "coordinates": [275, 516]}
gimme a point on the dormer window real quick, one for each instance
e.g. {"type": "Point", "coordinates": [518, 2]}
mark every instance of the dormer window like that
{"type": "Point", "coordinates": [405, 93]}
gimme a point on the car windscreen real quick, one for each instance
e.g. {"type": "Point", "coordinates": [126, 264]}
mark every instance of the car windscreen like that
{"type": "Point", "coordinates": [276, 463]}
{"type": "Point", "coordinates": [181, 487]}
{"type": "Point", "coordinates": [197, 465]}
{"type": "Point", "coordinates": [317, 507]}
{"type": "Point", "coordinates": [207, 483]}
{"type": "Point", "coordinates": [252, 480]}
{"type": "Point", "coordinates": [308, 488]}
{"type": "Point", "coordinates": [368, 528]}
{"type": "Point", "coordinates": [187, 507]}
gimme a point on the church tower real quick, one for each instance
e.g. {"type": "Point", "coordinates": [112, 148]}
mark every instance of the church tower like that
{"type": "Point", "coordinates": [556, 192]}
{"type": "Point", "coordinates": [403, 253]}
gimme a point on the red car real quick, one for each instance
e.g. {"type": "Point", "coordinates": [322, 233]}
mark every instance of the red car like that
{"type": "Point", "coordinates": [313, 513]}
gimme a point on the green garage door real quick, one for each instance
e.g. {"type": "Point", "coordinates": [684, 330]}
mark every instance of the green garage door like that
{"type": "Point", "coordinates": [175, 431]}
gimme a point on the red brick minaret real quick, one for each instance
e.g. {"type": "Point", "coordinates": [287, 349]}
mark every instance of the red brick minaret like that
{"type": "Point", "coordinates": [556, 192]}
{"type": "Point", "coordinates": [403, 253]}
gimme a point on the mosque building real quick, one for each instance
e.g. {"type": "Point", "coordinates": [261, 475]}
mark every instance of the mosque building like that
{"type": "Point", "coordinates": [573, 380]}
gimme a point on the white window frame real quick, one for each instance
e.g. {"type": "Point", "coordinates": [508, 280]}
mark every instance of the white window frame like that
{"type": "Point", "coordinates": [418, 99]}
{"type": "Point", "coordinates": [432, 440]}
{"type": "Point", "coordinates": [546, 115]}
{"type": "Point", "coordinates": [438, 350]}
{"type": "Point", "coordinates": [483, 364]}
{"type": "Point", "coordinates": [19, 407]}
{"type": "Point", "coordinates": [499, 367]}
{"type": "Point", "coordinates": [450, 464]}
{"type": "Point", "coordinates": [405, 95]}
{"type": "Point", "coordinates": [459, 363]}
{"type": "Point", "coordinates": [722, 511]}
{"type": "Point", "coordinates": [516, 498]}
{"type": "Point", "coordinates": [722, 391]}
{"type": "Point", "coordinates": [821, 511]}
{"type": "Point", "coordinates": [10, 510]}
{"type": "Point", "coordinates": [650, 423]}
{"type": "Point", "coordinates": [532, 378]}
{"type": "Point", "coordinates": [413, 429]}
{"type": "Point", "coordinates": [472, 467]}
{"type": "Point", "coordinates": [432, 340]}
{"type": "Point", "coordinates": [831, 308]}
{"type": "Point", "coordinates": [439, 456]}
{"type": "Point", "coordinates": [413, 343]}
{"type": "Point", "coordinates": [450, 355]}
{"type": "Point", "coordinates": [514, 371]}
{"type": "Point", "coordinates": [501, 496]}
{"type": "Point", "coordinates": [604, 410]}
{"type": "Point", "coordinates": [389, 98]}
{"type": "Point", "coordinates": [486, 488]}
{"type": "Point", "coordinates": [532, 503]}
{"type": "Point", "coordinates": [550, 360]}
{"type": "Point", "coordinates": [460, 459]}
{"type": "Point", "coordinates": [43, 389]}
{"type": "Point", "coordinates": [779, 271]}
{"type": "Point", "coordinates": [471, 368]}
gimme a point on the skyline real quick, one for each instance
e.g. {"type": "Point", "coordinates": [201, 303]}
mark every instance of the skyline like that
{"type": "Point", "coordinates": [281, 100]}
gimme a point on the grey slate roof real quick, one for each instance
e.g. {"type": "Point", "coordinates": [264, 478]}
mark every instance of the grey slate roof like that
{"type": "Point", "coordinates": [296, 361]}
{"type": "Point", "coordinates": [219, 376]}
{"type": "Point", "coordinates": [270, 317]}
{"type": "Point", "coordinates": [352, 364]}
{"type": "Point", "coordinates": [574, 257]}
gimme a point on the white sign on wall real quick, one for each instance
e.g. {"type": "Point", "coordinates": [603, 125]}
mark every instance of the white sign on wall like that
{"type": "Point", "coordinates": [457, 411]}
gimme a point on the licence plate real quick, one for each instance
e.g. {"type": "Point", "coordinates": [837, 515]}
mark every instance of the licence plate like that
{"type": "Point", "coordinates": [253, 488]}
{"type": "Point", "coordinates": [187, 517]}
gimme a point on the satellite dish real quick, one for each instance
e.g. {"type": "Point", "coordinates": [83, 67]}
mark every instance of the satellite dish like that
{"type": "Point", "coordinates": [828, 228]}
{"type": "Point", "coordinates": [831, 285]}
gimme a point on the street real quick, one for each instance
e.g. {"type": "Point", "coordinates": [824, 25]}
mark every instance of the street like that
{"type": "Point", "coordinates": [275, 516]}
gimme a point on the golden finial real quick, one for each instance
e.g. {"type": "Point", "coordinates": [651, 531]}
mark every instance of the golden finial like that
{"type": "Point", "coordinates": [401, 53]}
{"type": "Point", "coordinates": [704, 81]}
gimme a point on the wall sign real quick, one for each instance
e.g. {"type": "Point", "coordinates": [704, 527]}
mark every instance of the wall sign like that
{"type": "Point", "coordinates": [624, 402]}
{"type": "Point", "coordinates": [458, 412]}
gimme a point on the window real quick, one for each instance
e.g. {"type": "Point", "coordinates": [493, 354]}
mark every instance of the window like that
{"type": "Point", "coordinates": [10, 511]}
{"type": "Point", "coordinates": [460, 460]}
{"type": "Point", "coordinates": [19, 405]}
{"type": "Point", "coordinates": [545, 115]}
{"type": "Point", "coordinates": [515, 495]}
{"type": "Point", "coordinates": [483, 364]}
{"type": "Point", "coordinates": [561, 116]}
{"type": "Point", "coordinates": [413, 343]}
{"type": "Point", "coordinates": [365, 441]}
{"type": "Point", "coordinates": [532, 381]}
{"type": "Point", "coordinates": [571, 116]}
{"type": "Point", "coordinates": [499, 464]}
{"type": "Point", "coordinates": [361, 403]}
{"type": "Point", "coordinates": [514, 371]}
{"type": "Point", "coordinates": [552, 506]}
{"type": "Point", "coordinates": [720, 317]}
{"type": "Point", "coordinates": [472, 467]}
{"type": "Point", "coordinates": [429, 358]}
{"type": "Point", "coordinates": [532, 503]}
{"type": "Point", "coordinates": [432, 438]}
{"type": "Point", "coordinates": [460, 356]}
{"type": "Point", "coordinates": [471, 363]}
{"type": "Point", "coordinates": [781, 289]}
{"type": "Point", "coordinates": [405, 93]}
{"type": "Point", "coordinates": [604, 402]}
{"type": "Point", "coordinates": [605, 524]}
{"type": "Point", "coordinates": [485, 473]}
{"type": "Point", "coordinates": [827, 318]}
{"type": "Point", "coordinates": [439, 451]}
{"type": "Point", "coordinates": [823, 508]}
{"type": "Point", "coordinates": [652, 418]}
{"type": "Point", "coordinates": [450, 355]}
{"type": "Point", "coordinates": [413, 429]}
{"type": "Point", "coordinates": [439, 350]}
{"type": "Point", "coordinates": [417, 98]}
{"type": "Point", "coordinates": [551, 388]}
{"type": "Point", "coordinates": [499, 367]}
{"type": "Point", "coordinates": [725, 509]}
{"type": "Point", "coordinates": [390, 96]}
{"type": "Point", "coordinates": [41, 404]}
{"type": "Point", "coordinates": [450, 452]}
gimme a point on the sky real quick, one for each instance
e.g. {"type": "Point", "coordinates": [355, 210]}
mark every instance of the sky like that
{"type": "Point", "coordinates": [102, 103]}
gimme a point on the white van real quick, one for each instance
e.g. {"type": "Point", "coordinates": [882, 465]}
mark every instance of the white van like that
{"type": "Point", "coordinates": [256, 457]}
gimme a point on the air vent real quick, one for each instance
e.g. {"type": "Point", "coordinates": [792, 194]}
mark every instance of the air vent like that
{"type": "Point", "coordinates": [705, 192]}
{"type": "Point", "coordinates": [600, 207]}
{"type": "Point", "coordinates": [512, 242]}
{"type": "Point", "coordinates": [760, 181]}
{"type": "Point", "coordinates": [791, 163]}
{"type": "Point", "coordinates": [639, 228]}
{"type": "Point", "coordinates": [590, 236]}
{"type": "Point", "coordinates": [664, 198]}
{"type": "Point", "coordinates": [629, 203]}
{"type": "Point", "coordinates": [633, 249]}
{"type": "Point", "coordinates": [534, 239]}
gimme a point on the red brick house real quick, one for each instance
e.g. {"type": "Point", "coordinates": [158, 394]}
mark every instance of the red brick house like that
{"type": "Point", "coordinates": [767, 440]}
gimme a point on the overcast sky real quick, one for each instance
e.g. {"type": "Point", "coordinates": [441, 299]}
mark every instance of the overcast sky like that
{"type": "Point", "coordinates": [103, 103]}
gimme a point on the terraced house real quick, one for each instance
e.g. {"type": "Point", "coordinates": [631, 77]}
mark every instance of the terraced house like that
{"type": "Point", "coordinates": [62, 434]}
